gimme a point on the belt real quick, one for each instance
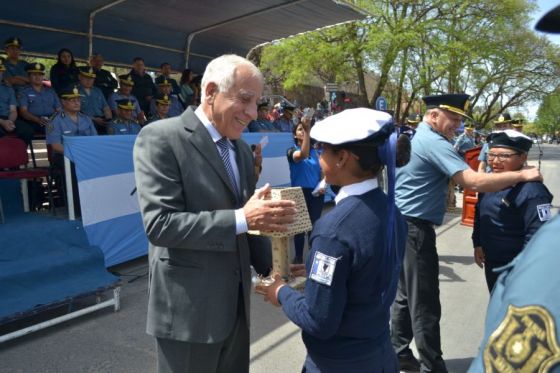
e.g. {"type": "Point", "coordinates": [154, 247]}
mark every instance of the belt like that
{"type": "Point", "coordinates": [419, 221]}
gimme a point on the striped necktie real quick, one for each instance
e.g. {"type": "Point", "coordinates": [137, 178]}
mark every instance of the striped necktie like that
{"type": "Point", "coordinates": [224, 146]}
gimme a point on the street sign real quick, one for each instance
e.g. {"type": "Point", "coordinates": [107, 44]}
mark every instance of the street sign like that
{"type": "Point", "coordinates": [331, 87]}
{"type": "Point", "coordinates": [381, 103]}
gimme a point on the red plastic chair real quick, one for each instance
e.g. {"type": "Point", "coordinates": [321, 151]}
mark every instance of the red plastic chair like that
{"type": "Point", "coordinates": [13, 164]}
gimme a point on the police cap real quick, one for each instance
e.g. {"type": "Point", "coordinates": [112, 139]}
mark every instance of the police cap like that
{"type": "Point", "coordinates": [414, 119]}
{"type": "Point", "coordinates": [2, 67]}
{"type": "Point", "coordinates": [510, 139]}
{"type": "Point", "coordinates": [550, 22]}
{"type": "Point", "coordinates": [125, 104]}
{"type": "Point", "coordinates": [126, 79]}
{"type": "Point", "coordinates": [35, 67]}
{"type": "Point", "coordinates": [69, 92]}
{"type": "Point", "coordinates": [13, 41]}
{"type": "Point", "coordinates": [504, 118]}
{"type": "Point", "coordinates": [87, 71]}
{"type": "Point", "coordinates": [164, 82]}
{"type": "Point", "coordinates": [162, 99]}
{"type": "Point", "coordinates": [455, 102]}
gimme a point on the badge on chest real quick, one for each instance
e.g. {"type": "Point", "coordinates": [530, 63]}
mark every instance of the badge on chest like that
{"type": "Point", "coordinates": [322, 269]}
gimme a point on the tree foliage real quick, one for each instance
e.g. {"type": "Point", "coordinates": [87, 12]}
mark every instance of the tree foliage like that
{"type": "Point", "coordinates": [420, 47]}
{"type": "Point", "coordinates": [548, 115]}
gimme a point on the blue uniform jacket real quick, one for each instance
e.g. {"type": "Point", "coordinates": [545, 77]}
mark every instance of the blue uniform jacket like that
{"type": "Point", "coordinates": [122, 127]}
{"type": "Point", "coordinates": [43, 103]}
{"type": "Point", "coordinates": [93, 103]}
{"type": "Point", "coordinates": [175, 108]}
{"type": "Point", "coordinates": [522, 330]}
{"type": "Point", "coordinates": [63, 125]}
{"type": "Point", "coordinates": [7, 99]}
{"type": "Point", "coordinates": [506, 220]}
{"type": "Point", "coordinates": [349, 319]}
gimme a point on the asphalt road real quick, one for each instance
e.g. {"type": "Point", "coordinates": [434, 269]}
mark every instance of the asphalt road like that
{"type": "Point", "coordinates": [106, 341]}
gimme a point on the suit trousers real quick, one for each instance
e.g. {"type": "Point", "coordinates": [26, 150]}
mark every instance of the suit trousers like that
{"type": "Point", "coordinates": [230, 355]}
{"type": "Point", "coordinates": [416, 311]}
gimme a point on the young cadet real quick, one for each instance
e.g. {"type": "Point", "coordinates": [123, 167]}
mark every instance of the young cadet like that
{"type": "Point", "coordinates": [175, 106]}
{"type": "Point", "coordinates": [506, 220]}
{"type": "Point", "coordinates": [523, 318]}
{"type": "Point", "coordinates": [420, 195]}
{"type": "Point", "coordinates": [356, 250]}
{"type": "Point", "coordinates": [162, 108]}
{"type": "Point", "coordinates": [124, 124]}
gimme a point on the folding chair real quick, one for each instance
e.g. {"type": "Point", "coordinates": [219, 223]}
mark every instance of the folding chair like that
{"type": "Point", "coordinates": [13, 162]}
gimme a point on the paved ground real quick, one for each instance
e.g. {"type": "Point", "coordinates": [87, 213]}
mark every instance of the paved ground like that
{"type": "Point", "coordinates": [116, 342]}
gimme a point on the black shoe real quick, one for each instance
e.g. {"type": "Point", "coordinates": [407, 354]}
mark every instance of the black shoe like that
{"type": "Point", "coordinates": [408, 363]}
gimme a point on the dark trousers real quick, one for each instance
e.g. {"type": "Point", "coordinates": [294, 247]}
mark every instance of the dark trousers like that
{"type": "Point", "coordinates": [26, 130]}
{"type": "Point", "coordinates": [314, 207]}
{"type": "Point", "coordinates": [416, 311]}
{"type": "Point", "coordinates": [491, 276]}
{"type": "Point", "coordinates": [230, 355]}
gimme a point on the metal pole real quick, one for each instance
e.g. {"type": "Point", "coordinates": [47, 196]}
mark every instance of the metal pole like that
{"type": "Point", "coordinates": [69, 190]}
{"type": "Point", "coordinates": [91, 18]}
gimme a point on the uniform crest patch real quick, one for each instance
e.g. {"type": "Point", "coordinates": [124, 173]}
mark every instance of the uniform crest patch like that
{"type": "Point", "coordinates": [544, 212]}
{"type": "Point", "coordinates": [525, 341]}
{"type": "Point", "coordinates": [322, 269]}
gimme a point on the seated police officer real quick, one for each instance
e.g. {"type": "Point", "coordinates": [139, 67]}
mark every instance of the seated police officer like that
{"type": "Point", "coordinates": [15, 68]}
{"type": "Point", "coordinates": [162, 108]}
{"type": "Point", "coordinates": [166, 75]}
{"type": "Point", "coordinates": [124, 124]}
{"type": "Point", "coordinates": [285, 123]}
{"type": "Point", "coordinates": [262, 124]}
{"type": "Point", "coordinates": [506, 220]}
{"type": "Point", "coordinates": [37, 103]}
{"type": "Point", "coordinates": [8, 113]}
{"type": "Point", "coordinates": [175, 106]}
{"type": "Point", "coordinates": [93, 103]}
{"type": "Point", "coordinates": [125, 92]}
{"type": "Point", "coordinates": [69, 121]}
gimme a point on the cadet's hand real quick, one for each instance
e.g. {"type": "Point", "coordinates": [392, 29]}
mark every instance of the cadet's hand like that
{"type": "Point", "coordinates": [298, 270]}
{"type": "Point", "coordinates": [531, 173]}
{"type": "Point", "coordinates": [43, 121]}
{"type": "Point", "coordinates": [267, 215]}
{"type": "Point", "coordinates": [306, 124]}
{"type": "Point", "coordinates": [479, 256]}
{"type": "Point", "coordinates": [272, 291]}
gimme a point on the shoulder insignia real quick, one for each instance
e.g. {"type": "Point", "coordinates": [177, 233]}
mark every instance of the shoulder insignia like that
{"type": "Point", "coordinates": [322, 269]}
{"type": "Point", "coordinates": [544, 212]}
{"type": "Point", "coordinates": [50, 128]}
{"type": "Point", "coordinates": [525, 341]}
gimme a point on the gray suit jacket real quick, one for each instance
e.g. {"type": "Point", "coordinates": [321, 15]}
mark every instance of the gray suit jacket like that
{"type": "Point", "coordinates": [187, 202]}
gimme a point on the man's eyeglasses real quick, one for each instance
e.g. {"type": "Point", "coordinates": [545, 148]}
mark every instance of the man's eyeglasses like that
{"type": "Point", "coordinates": [502, 156]}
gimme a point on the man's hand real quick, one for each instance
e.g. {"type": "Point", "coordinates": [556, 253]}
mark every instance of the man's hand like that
{"type": "Point", "coordinates": [266, 215]}
{"type": "Point", "coordinates": [7, 124]}
{"type": "Point", "coordinates": [43, 121]}
{"type": "Point", "coordinates": [272, 290]}
{"type": "Point", "coordinates": [306, 124]}
{"type": "Point", "coordinates": [298, 270]}
{"type": "Point", "coordinates": [479, 256]}
{"type": "Point", "coordinates": [99, 121]}
{"type": "Point", "coordinates": [531, 173]}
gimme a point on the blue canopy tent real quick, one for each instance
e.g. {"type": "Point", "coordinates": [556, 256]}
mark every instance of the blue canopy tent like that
{"type": "Point", "coordinates": [185, 33]}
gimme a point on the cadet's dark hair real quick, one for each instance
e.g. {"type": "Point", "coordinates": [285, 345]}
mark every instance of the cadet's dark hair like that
{"type": "Point", "coordinates": [368, 159]}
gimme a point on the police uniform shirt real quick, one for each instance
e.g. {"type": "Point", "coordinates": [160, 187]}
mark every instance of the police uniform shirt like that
{"type": "Point", "coordinates": [123, 127]}
{"type": "Point", "coordinates": [154, 118]}
{"type": "Point", "coordinates": [421, 185]}
{"type": "Point", "coordinates": [63, 125]}
{"type": "Point", "coordinates": [115, 96]}
{"type": "Point", "coordinates": [261, 125]}
{"type": "Point", "coordinates": [464, 143]}
{"type": "Point", "coordinates": [43, 103]}
{"type": "Point", "coordinates": [17, 69]}
{"type": "Point", "coordinates": [175, 107]}
{"type": "Point", "coordinates": [506, 220]}
{"type": "Point", "coordinates": [307, 172]}
{"type": "Point", "coordinates": [344, 311]}
{"type": "Point", "coordinates": [7, 99]}
{"type": "Point", "coordinates": [175, 87]}
{"type": "Point", "coordinates": [522, 329]}
{"type": "Point", "coordinates": [92, 103]}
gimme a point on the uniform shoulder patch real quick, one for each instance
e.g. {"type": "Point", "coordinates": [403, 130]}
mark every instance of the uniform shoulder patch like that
{"type": "Point", "coordinates": [322, 269]}
{"type": "Point", "coordinates": [544, 211]}
{"type": "Point", "coordinates": [525, 341]}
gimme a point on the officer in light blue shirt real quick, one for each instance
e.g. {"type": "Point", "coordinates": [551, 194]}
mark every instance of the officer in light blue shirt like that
{"type": "Point", "coordinates": [175, 106]}
{"type": "Point", "coordinates": [522, 330]}
{"type": "Point", "coordinates": [16, 76]}
{"type": "Point", "coordinates": [465, 141]}
{"type": "Point", "coordinates": [285, 123]}
{"type": "Point", "coordinates": [93, 103]}
{"type": "Point", "coordinates": [124, 124]}
{"type": "Point", "coordinates": [420, 195]}
{"type": "Point", "coordinates": [69, 121]}
{"type": "Point", "coordinates": [125, 92]}
{"type": "Point", "coordinates": [8, 113]}
{"type": "Point", "coordinates": [262, 124]}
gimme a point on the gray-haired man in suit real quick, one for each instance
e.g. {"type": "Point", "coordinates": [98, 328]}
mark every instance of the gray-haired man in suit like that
{"type": "Point", "coordinates": [197, 206]}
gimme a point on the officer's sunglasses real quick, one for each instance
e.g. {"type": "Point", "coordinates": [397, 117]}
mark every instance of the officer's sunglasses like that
{"type": "Point", "coordinates": [502, 156]}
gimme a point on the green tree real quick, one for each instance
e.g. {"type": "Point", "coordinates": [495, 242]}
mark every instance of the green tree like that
{"type": "Point", "coordinates": [548, 114]}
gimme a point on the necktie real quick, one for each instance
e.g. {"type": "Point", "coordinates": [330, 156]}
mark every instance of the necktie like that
{"type": "Point", "coordinates": [224, 146]}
